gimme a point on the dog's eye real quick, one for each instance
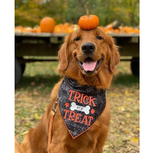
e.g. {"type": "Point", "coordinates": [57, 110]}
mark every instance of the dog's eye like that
{"type": "Point", "coordinates": [77, 38]}
{"type": "Point", "coordinates": [99, 37]}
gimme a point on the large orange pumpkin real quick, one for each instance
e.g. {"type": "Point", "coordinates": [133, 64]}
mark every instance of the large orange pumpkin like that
{"type": "Point", "coordinates": [47, 24]}
{"type": "Point", "coordinates": [88, 22]}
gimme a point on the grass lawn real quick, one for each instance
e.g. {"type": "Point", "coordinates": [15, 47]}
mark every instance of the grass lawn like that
{"type": "Point", "coordinates": [32, 97]}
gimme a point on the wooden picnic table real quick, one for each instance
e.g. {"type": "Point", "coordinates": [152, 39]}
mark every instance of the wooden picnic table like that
{"type": "Point", "coordinates": [48, 44]}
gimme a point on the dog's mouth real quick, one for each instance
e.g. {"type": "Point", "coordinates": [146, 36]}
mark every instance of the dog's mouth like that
{"type": "Point", "coordinates": [89, 66]}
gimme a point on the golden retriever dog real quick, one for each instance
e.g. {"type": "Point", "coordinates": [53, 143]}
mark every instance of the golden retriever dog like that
{"type": "Point", "coordinates": [87, 60]}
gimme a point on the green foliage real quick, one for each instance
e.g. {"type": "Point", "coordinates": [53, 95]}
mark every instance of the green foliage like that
{"type": "Point", "coordinates": [30, 12]}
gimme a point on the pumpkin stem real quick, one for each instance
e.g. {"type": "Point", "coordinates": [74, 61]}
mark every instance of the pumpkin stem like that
{"type": "Point", "coordinates": [87, 11]}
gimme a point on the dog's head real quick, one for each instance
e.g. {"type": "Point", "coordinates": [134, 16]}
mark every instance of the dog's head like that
{"type": "Point", "coordinates": [88, 55]}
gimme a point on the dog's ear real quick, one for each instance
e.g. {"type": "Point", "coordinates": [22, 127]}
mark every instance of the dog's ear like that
{"type": "Point", "coordinates": [63, 55]}
{"type": "Point", "coordinates": [114, 56]}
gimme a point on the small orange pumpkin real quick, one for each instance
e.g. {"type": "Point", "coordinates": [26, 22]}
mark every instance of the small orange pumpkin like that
{"type": "Point", "coordinates": [88, 22]}
{"type": "Point", "coordinates": [47, 24]}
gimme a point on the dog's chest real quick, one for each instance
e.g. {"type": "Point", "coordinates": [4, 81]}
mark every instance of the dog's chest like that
{"type": "Point", "coordinates": [80, 106]}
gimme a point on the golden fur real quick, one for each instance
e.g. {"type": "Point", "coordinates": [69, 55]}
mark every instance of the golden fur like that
{"type": "Point", "coordinates": [93, 140]}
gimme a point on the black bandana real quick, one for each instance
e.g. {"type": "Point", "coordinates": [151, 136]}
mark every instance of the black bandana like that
{"type": "Point", "coordinates": [80, 106]}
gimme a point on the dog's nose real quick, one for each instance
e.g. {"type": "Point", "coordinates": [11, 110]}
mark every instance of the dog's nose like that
{"type": "Point", "coordinates": [88, 48]}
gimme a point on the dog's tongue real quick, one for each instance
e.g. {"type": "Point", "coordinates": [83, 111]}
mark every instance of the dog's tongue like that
{"type": "Point", "coordinates": [89, 65]}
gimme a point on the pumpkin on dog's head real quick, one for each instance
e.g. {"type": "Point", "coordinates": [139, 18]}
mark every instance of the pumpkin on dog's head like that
{"type": "Point", "coordinates": [88, 22]}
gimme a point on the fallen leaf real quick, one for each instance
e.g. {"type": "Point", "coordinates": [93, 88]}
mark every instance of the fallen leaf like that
{"type": "Point", "coordinates": [33, 83]}
{"type": "Point", "coordinates": [126, 92]}
{"type": "Point", "coordinates": [127, 131]}
{"type": "Point", "coordinates": [129, 99]}
{"type": "Point", "coordinates": [134, 139]}
{"type": "Point", "coordinates": [36, 116]}
{"type": "Point", "coordinates": [121, 108]}
{"type": "Point", "coordinates": [128, 115]}
{"type": "Point", "coordinates": [113, 94]}
{"type": "Point", "coordinates": [24, 132]}
{"type": "Point", "coordinates": [26, 124]}
{"type": "Point", "coordinates": [17, 112]}
{"type": "Point", "coordinates": [35, 92]}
